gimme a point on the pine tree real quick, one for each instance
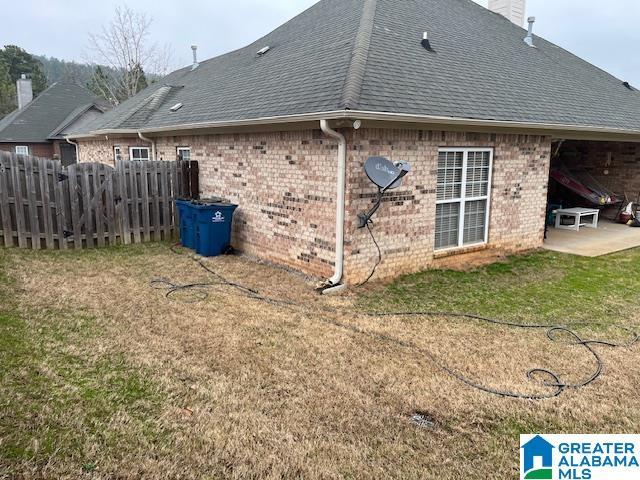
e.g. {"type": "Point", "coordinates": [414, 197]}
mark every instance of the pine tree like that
{"type": "Point", "coordinates": [101, 85]}
{"type": "Point", "coordinates": [7, 90]}
{"type": "Point", "coordinates": [20, 62]}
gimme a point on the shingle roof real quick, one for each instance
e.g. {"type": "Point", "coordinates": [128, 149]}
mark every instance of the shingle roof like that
{"type": "Point", "coordinates": [366, 55]}
{"type": "Point", "coordinates": [48, 113]}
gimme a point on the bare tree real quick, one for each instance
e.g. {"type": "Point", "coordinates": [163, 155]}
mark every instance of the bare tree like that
{"type": "Point", "coordinates": [123, 47]}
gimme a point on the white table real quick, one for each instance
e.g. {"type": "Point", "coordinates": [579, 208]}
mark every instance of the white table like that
{"type": "Point", "coordinates": [582, 217]}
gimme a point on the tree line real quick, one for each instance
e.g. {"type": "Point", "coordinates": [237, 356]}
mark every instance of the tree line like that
{"type": "Point", "coordinates": [121, 62]}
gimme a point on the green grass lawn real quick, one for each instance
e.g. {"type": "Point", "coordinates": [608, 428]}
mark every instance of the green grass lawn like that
{"type": "Point", "coordinates": [58, 396]}
{"type": "Point", "coordinates": [540, 287]}
{"type": "Point", "coordinates": [76, 401]}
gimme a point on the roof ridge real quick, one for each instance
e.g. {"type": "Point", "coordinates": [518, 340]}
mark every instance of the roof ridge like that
{"type": "Point", "coordinates": [355, 74]}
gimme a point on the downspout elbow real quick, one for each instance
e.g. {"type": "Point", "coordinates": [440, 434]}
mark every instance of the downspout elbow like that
{"type": "Point", "coordinates": [77, 147]}
{"type": "Point", "coordinates": [152, 142]}
{"type": "Point", "coordinates": [336, 279]}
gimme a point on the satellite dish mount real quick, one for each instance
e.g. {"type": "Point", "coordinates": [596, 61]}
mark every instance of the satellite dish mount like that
{"type": "Point", "coordinates": [386, 176]}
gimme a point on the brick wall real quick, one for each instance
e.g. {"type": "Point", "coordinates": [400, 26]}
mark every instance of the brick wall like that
{"type": "Point", "coordinates": [101, 150]}
{"type": "Point", "coordinates": [284, 183]}
{"type": "Point", "coordinates": [44, 150]}
{"type": "Point", "coordinates": [405, 224]}
{"type": "Point", "coordinates": [614, 164]}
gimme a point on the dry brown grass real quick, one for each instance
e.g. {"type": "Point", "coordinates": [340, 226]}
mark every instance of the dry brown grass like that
{"type": "Point", "coordinates": [255, 390]}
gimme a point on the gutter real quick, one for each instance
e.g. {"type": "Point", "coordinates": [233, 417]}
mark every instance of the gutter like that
{"type": "Point", "coordinates": [370, 115]}
{"type": "Point", "coordinates": [333, 284]}
{"type": "Point", "coordinates": [75, 144]}
{"type": "Point", "coordinates": [153, 145]}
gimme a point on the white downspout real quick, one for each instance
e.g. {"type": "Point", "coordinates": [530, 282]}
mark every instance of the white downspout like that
{"type": "Point", "coordinates": [340, 204]}
{"type": "Point", "coordinates": [153, 145]}
{"type": "Point", "coordinates": [75, 144]}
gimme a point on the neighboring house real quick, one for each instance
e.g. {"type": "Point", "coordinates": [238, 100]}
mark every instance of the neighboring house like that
{"type": "Point", "coordinates": [473, 107]}
{"type": "Point", "coordinates": [38, 127]}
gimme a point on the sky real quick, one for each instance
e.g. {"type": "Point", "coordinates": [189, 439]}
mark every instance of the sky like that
{"type": "Point", "coordinates": [604, 33]}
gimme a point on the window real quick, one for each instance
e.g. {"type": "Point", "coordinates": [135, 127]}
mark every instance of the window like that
{"type": "Point", "coordinates": [139, 153]}
{"type": "Point", "coordinates": [22, 150]}
{"type": "Point", "coordinates": [462, 197]}
{"type": "Point", "coordinates": [117, 153]}
{"type": "Point", "coordinates": [184, 153]}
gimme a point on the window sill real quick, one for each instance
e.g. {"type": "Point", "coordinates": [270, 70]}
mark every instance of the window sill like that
{"type": "Point", "coordinates": [450, 252]}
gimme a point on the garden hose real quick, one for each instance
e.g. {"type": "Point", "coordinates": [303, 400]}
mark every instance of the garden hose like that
{"type": "Point", "coordinates": [542, 376]}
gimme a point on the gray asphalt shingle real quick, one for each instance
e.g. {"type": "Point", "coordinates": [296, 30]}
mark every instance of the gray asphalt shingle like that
{"type": "Point", "coordinates": [46, 114]}
{"type": "Point", "coordinates": [366, 55]}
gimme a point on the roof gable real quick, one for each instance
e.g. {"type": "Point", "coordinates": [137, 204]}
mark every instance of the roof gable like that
{"type": "Point", "coordinates": [50, 112]}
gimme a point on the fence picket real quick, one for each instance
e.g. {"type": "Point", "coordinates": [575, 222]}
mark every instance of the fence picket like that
{"type": "Point", "coordinates": [135, 200]}
{"type": "Point", "coordinates": [21, 226]}
{"type": "Point", "coordinates": [61, 201]}
{"type": "Point", "coordinates": [5, 207]}
{"type": "Point", "coordinates": [74, 202]}
{"type": "Point", "coordinates": [91, 203]}
{"type": "Point", "coordinates": [155, 202]}
{"type": "Point", "coordinates": [166, 203]}
{"type": "Point", "coordinates": [144, 186]}
{"type": "Point", "coordinates": [44, 166]}
{"type": "Point", "coordinates": [111, 219]}
{"type": "Point", "coordinates": [97, 203]}
{"type": "Point", "coordinates": [123, 203]}
{"type": "Point", "coordinates": [32, 199]}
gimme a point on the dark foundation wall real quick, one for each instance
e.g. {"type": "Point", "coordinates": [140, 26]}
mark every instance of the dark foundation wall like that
{"type": "Point", "coordinates": [615, 165]}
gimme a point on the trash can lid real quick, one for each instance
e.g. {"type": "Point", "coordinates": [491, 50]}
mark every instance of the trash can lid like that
{"type": "Point", "coordinates": [211, 201]}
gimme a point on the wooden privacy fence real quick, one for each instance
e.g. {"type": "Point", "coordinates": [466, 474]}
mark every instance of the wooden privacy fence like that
{"type": "Point", "coordinates": [44, 205]}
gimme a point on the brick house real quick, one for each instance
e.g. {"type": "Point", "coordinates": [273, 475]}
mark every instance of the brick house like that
{"type": "Point", "coordinates": [470, 99]}
{"type": "Point", "coordinates": [38, 127]}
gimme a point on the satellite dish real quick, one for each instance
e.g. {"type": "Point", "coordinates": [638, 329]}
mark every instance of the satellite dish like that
{"type": "Point", "coordinates": [385, 174]}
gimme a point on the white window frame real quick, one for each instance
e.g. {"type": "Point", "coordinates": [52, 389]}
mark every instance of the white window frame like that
{"type": "Point", "coordinates": [26, 149]}
{"type": "Point", "coordinates": [117, 153]}
{"type": "Point", "coordinates": [131, 149]}
{"type": "Point", "coordinates": [183, 149]}
{"type": "Point", "coordinates": [463, 200]}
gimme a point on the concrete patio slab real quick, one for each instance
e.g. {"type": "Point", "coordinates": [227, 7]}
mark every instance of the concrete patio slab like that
{"type": "Point", "coordinates": [608, 238]}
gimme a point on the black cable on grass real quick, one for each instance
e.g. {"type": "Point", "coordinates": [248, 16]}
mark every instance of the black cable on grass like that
{"type": "Point", "coordinates": [546, 378]}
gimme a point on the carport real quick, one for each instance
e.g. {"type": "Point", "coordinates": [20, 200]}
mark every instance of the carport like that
{"type": "Point", "coordinates": [599, 175]}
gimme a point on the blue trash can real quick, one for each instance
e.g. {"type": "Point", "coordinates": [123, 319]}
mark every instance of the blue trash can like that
{"type": "Point", "coordinates": [187, 223]}
{"type": "Point", "coordinates": [213, 227]}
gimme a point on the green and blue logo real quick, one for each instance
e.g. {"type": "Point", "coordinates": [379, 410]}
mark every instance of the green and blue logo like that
{"type": "Point", "coordinates": [579, 457]}
{"type": "Point", "coordinates": [537, 459]}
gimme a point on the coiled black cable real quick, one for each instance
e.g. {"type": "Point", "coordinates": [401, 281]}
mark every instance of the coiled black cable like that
{"type": "Point", "coordinates": [544, 377]}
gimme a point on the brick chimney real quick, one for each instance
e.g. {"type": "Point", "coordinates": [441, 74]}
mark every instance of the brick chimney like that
{"type": "Point", "coordinates": [25, 91]}
{"type": "Point", "coordinates": [512, 9]}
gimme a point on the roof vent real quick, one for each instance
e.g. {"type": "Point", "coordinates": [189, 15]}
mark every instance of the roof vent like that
{"type": "Point", "coordinates": [195, 65]}
{"type": "Point", "coordinates": [263, 51]}
{"type": "Point", "coordinates": [529, 38]}
{"type": "Point", "coordinates": [176, 107]}
{"type": "Point", "coordinates": [628, 85]}
{"type": "Point", "coordinates": [426, 44]}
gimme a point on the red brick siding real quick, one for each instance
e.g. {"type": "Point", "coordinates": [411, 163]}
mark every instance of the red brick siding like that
{"type": "Point", "coordinates": [44, 150]}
